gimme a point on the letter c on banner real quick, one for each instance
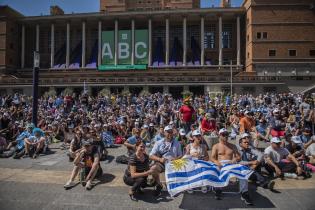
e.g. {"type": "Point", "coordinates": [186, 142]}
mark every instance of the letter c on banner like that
{"type": "Point", "coordinates": [144, 54]}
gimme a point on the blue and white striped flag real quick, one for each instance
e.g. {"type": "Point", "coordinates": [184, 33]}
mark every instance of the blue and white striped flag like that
{"type": "Point", "coordinates": [186, 173]}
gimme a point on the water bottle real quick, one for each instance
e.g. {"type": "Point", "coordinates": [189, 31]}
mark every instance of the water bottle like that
{"type": "Point", "coordinates": [290, 175]}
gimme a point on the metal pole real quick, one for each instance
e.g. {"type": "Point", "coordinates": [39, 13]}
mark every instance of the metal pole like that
{"type": "Point", "coordinates": [35, 88]}
{"type": "Point", "coordinates": [231, 62]}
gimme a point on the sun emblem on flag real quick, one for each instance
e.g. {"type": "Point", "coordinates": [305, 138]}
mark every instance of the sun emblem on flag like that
{"type": "Point", "coordinates": [179, 164]}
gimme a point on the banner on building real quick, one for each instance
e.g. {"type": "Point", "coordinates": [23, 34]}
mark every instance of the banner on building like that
{"type": "Point", "coordinates": [124, 50]}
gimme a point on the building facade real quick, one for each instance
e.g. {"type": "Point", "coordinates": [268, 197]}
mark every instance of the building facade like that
{"type": "Point", "coordinates": [188, 48]}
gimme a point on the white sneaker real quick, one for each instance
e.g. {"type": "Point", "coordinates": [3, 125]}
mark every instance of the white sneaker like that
{"type": "Point", "coordinates": [88, 185]}
{"type": "Point", "coordinates": [69, 184]}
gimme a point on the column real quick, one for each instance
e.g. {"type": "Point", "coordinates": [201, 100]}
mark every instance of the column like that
{"type": "Point", "coordinates": [23, 48]}
{"type": "Point", "coordinates": [167, 41]}
{"type": "Point", "coordinates": [37, 38]}
{"type": "Point", "coordinates": [99, 57]}
{"type": "Point", "coordinates": [150, 43]}
{"type": "Point", "coordinates": [238, 43]}
{"type": "Point", "coordinates": [116, 42]}
{"type": "Point", "coordinates": [184, 41]}
{"type": "Point", "coordinates": [202, 43]}
{"type": "Point", "coordinates": [52, 46]}
{"type": "Point", "coordinates": [133, 42]}
{"type": "Point", "coordinates": [68, 46]}
{"type": "Point", "coordinates": [83, 44]}
{"type": "Point", "coordinates": [220, 41]}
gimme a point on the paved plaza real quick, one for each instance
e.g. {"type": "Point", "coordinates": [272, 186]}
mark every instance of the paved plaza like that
{"type": "Point", "coordinates": [38, 184]}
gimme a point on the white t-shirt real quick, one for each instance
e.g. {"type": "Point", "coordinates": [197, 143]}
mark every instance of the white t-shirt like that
{"type": "Point", "coordinates": [310, 150]}
{"type": "Point", "coordinates": [276, 155]}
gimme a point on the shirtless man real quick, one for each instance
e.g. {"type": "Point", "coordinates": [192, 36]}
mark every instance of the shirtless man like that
{"type": "Point", "coordinates": [224, 153]}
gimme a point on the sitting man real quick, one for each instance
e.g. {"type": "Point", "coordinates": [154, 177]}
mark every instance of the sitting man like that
{"type": "Point", "coordinates": [310, 150]}
{"type": "Point", "coordinates": [130, 143]}
{"type": "Point", "coordinates": [253, 158]}
{"type": "Point", "coordinates": [227, 153]}
{"type": "Point", "coordinates": [164, 150]}
{"type": "Point", "coordinates": [35, 142]}
{"type": "Point", "coordinates": [274, 156]}
{"type": "Point", "coordinates": [88, 159]}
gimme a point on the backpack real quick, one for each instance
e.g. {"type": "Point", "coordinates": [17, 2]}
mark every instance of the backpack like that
{"type": "Point", "coordinates": [123, 159]}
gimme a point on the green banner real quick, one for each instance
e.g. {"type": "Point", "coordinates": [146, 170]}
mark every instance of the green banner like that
{"type": "Point", "coordinates": [122, 67]}
{"type": "Point", "coordinates": [141, 47]}
{"type": "Point", "coordinates": [124, 47]}
{"type": "Point", "coordinates": [108, 47]}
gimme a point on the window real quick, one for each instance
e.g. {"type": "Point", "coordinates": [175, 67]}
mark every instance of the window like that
{"type": "Point", "coordinates": [292, 53]}
{"type": "Point", "coordinates": [258, 35]}
{"type": "Point", "coordinates": [209, 40]}
{"type": "Point", "coordinates": [272, 53]}
{"type": "Point", "coordinates": [312, 52]}
{"type": "Point", "coordinates": [265, 35]}
{"type": "Point", "coordinates": [227, 36]}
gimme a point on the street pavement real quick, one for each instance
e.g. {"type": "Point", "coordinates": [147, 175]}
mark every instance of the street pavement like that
{"type": "Point", "coordinates": [38, 184]}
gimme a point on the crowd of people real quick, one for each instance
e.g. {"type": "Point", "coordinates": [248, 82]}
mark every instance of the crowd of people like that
{"type": "Point", "coordinates": [156, 128]}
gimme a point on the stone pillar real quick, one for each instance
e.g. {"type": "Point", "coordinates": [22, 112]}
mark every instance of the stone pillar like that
{"type": "Point", "coordinates": [220, 41]}
{"type": "Point", "coordinates": [238, 43]}
{"type": "Point", "coordinates": [37, 38]}
{"type": "Point", "coordinates": [202, 43]}
{"type": "Point", "coordinates": [167, 41]}
{"type": "Point", "coordinates": [184, 41]}
{"type": "Point", "coordinates": [83, 45]}
{"type": "Point", "coordinates": [52, 46]}
{"type": "Point", "coordinates": [133, 42]}
{"type": "Point", "coordinates": [99, 53]}
{"type": "Point", "coordinates": [150, 43]}
{"type": "Point", "coordinates": [23, 48]}
{"type": "Point", "coordinates": [116, 42]}
{"type": "Point", "coordinates": [68, 46]}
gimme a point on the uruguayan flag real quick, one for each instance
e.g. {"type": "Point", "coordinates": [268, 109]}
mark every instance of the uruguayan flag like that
{"type": "Point", "coordinates": [186, 173]}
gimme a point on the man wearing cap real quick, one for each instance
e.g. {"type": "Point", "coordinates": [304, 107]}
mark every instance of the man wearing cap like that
{"type": "Point", "coordinates": [36, 141]}
{"type": "Point", "coordinates": [196, 149]}
{"type": "Point", "coordinates": [247, 123]}
{"type": "Point", "coordinates": [187, 114]}
{"type": "Point", "coordinates": [274, 154]}
{"type": "Point", "coordinates": [227, 153]}
{"type": "Point", "coordinates": [164, 150]}
{"type": "Point", "coordinates": [88, 160]}
{"type": "Point", "coordinates": [253, 158]}
{"type": "Point", "coordinates": [277, 124]}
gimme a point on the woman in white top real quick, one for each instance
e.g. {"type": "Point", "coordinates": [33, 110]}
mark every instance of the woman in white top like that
{"type": "Point", "coordinates": [196, 149]}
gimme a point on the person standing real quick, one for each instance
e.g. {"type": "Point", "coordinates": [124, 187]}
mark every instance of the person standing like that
{"type": "Point", "coordinates": [187, 114]}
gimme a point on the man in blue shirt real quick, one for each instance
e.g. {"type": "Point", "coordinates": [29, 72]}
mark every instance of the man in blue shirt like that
{"type": "Point", "coordinates": [130, 143]}
{"type": "Point", "coordinates": [166, 149]}
{"type": "Point", "coordinates": [36, 141]}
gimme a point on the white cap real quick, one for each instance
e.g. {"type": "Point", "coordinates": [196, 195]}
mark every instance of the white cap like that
{"type": "Point", "coordinates": [171, 123]}
{"type": "Point", "coordinates": [97, 125]}
{"type": "Point", "coordinates": [182, 132]}
{"type": "Point", "coordinates": [276, 111]}
{"type": "Point", "coordinates": [246, 112]}
{"type": "Point", "coordinates": [6, 114]}
{"type": "Point", "coordinates": [151, 124]}
{"type": "Point", "coordinates": [275, 140]}
{"type": "Point", "coordinates": [105, 125]}
{"type": "Point", "coordinates": [196, 133]}
{"type": "Point", "coordinates": [145, 126]}
{"type": "Point", "coordinates": [296, 139]}
{"type": "Point", "coordinates": [244, 135]}
{"type": "Point", "coordinates": [168, 128]}
{"type": "Point", "coordinates": [223, 130]}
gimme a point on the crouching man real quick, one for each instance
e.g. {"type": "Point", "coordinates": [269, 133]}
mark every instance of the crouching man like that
{"type": "Point", "coordinates": [87, 160]}
{"type": "Point", "coordinates": [36, 143]}
{"type": "Point", "coordinates": [227, 153]}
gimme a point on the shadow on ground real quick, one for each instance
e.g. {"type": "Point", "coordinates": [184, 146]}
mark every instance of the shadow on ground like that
{"type": "Point", "coordinates": [199, 200]}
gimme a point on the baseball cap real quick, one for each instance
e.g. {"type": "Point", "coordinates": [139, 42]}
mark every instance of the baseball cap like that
{"type": "Point", "coordinates": [296, 139]}
{"type": "Point", "coordinates": [105, 125]}
{"type": "Point", "coordinates": [196, 133]}
{"type": "Point", "coordinates": [222, 130]}
{"type": "Point", "coordinates": [151, 125]}
{"type": "Point", "coordinates": [275, 140]}
{"type": "Point", "coordinates": [244, 135]}
{"type": "Point", "coordinates": [276, 111]}
{"type": "Point", "coordinates": [182, 132]}
{"type": "Point", "coordinates": [168, 128]}
{"type": "Point", "coordinates": [145, 126]}
{"type": "Point", "coordinates": [247, 112]}
{"type": "Point", "coordinates": [171, 123]}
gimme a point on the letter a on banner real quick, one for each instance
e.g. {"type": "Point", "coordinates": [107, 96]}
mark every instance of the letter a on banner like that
{"type": "Point", "coordinates": [108, 47]}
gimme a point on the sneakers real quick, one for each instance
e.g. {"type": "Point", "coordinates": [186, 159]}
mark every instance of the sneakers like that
{"type": "Point", "coordinates": [158, 190]}
{"type": "Point", "coordinates": [271, 185]}
{"type": "Point", "coordinates": [69, 184]}
{"type": "Point", "coordinates": [88, 185]}
{"type": "Point", "coordinates": [245, 197]}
